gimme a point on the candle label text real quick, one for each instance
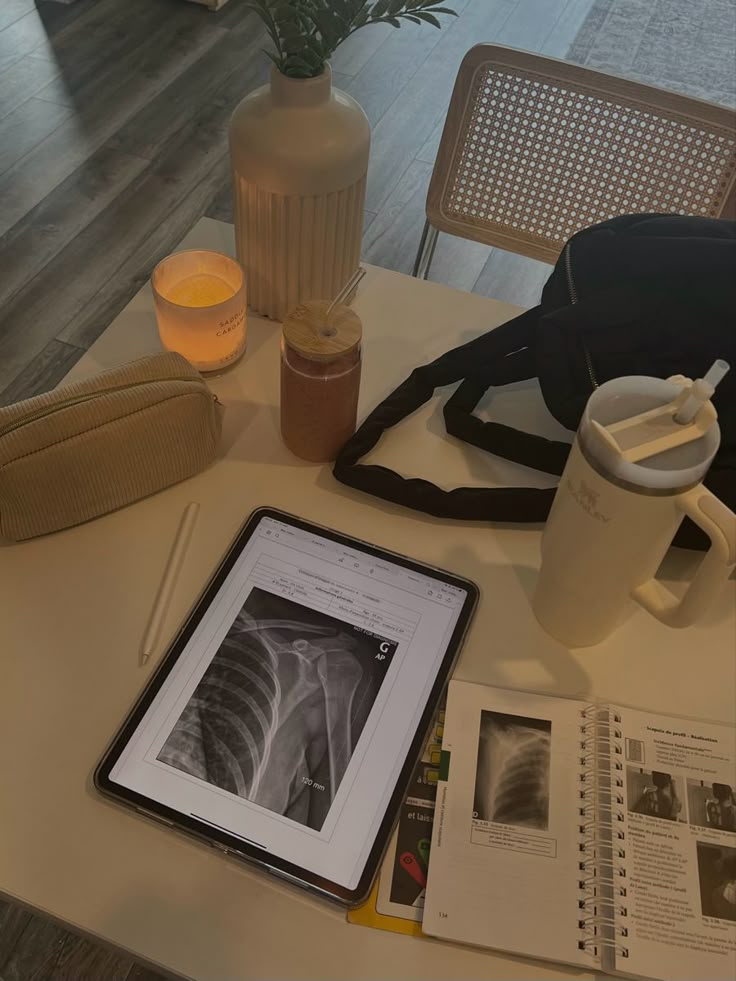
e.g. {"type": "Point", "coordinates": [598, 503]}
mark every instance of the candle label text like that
{"type": "Point", "coordinates": [231, 323]}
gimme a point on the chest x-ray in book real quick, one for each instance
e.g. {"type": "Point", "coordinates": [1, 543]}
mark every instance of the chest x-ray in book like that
{"type": "Point", "coordinates": [512, 775]}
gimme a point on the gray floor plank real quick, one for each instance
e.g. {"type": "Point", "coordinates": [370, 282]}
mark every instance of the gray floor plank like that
{"type": "Point", "coordinates": [44, 231]}
{"type": "Point", "coordinates": [351, 56]}
{"type": "Point", "coordinates": [23, 79]}
{"type": "Point", "coordinates": [410, 121]}
{"type": "Point", "coordinates": [512, 278]}
{"type": "Point", "coordinates": [25, 127]}
{"type": "Point", "coordinates": [392, 238]}
{"type": "Point", "coordinates": [81, 958]}
{"type": "Point", "coordinates": [428, 152]}
{"type": "Point", "coordinates": [139, 77]}
{"type": "Point", "coordinates": [22, 37]}
{"type": "Point", "coordinates": [85, 285]}
{"type": "Point", "coordinates": [89, 51]}
{"type": "Point", "coordinates": [164, 208]}
{"type": "Point", "coordinates": [151, 216]}
{"type": "Point", "coordinates": [140, 973]}
{"type": "Point", "coordinates": [221, 206]}
{"type": "Point", "coordinates": [13, 921]}
{"type": "Point", "coordinates": [383, 78]}
{"type": "Point", "coordinates": [145, 222]}
{"type": "Point", "coordinates": [34, 958]}
{"type": "Point", "coordinates": [33, 31]}
{"type": "Point", "coordinates": [13, 10]}
{"type": "Point", "coordinates": [43, 373]}
{"type": "Point", "coordinates": [368, 218]}
{"type": "Point", "coordinates": [56, 17]}
{"type": "Point", "coordinates": [530, 23]}
{"type": "Point", "coordinates": [564, 32]}
{"type": "Point", "coordinates": [238, 59]}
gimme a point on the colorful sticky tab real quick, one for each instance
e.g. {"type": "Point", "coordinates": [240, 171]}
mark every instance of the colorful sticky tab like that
{"type": "Point", "coordinates": [410, 864]}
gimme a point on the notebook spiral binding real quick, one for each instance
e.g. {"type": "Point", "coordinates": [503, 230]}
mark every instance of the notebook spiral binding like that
{"type": "Point", "coordinates": [602, 841]}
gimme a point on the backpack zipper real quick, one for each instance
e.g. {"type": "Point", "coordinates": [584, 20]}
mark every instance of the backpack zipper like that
{"type": "Point", "coordinates": [573, 300]}
{"type": "Point", "coordinates": [79, 400]}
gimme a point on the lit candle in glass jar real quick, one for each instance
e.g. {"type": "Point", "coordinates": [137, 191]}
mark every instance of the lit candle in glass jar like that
{"type": "Point", "coordinates": [200, 307]}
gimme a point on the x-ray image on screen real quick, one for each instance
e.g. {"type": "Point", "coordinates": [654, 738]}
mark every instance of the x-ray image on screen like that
{"type": "Point", "coordinates": [280, 709]}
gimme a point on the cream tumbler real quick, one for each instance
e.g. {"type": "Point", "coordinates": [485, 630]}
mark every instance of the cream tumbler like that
{"type": "Point", "coordinates": [612, 520]}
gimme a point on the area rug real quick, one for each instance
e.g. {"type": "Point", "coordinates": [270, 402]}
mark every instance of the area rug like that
{"type": "Point", "coordinates": [688, 46]}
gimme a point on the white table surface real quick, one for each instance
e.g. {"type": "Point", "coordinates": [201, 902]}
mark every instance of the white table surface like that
{"type": "Point", "coordinates": [73, 607]}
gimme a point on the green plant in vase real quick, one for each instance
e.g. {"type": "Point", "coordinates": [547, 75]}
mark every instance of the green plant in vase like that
{"type": "Point", "coordinates": [299, 151]}
{"type": "Point", "coordinates": [306, 33]}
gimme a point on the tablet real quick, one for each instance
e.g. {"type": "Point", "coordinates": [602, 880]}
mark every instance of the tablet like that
{"type": "Point", "coordinates": [284, 722]}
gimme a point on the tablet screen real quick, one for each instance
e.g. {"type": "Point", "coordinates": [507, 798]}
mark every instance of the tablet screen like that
{"type": "Point", "coordinates": [289, 713]}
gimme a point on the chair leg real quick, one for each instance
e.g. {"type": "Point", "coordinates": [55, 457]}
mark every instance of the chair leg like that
{"type": "Point", "coordinates": [425, 252]}
{"type": "Point", "coordinates": [434, 234]}
{"type": "Point", "coordinates": [420, 250]}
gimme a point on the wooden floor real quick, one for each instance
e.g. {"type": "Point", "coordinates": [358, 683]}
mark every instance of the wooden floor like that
{"type": "Point", "coordinates": [113, 115]}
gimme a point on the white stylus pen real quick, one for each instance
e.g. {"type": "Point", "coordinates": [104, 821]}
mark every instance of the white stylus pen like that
{"type": "Point", "coordinates": [169, 580]}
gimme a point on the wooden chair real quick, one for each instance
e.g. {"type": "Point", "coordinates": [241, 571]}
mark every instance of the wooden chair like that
{"type": "Point", "coordinates": [534, 149]}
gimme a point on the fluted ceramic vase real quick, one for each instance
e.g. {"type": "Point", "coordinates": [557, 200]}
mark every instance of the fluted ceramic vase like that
{"type": "Point", "coordinates": [299, 152]}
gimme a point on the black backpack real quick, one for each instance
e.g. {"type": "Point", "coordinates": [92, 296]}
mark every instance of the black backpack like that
{"type": "Point", "coordinates": [636, 295]}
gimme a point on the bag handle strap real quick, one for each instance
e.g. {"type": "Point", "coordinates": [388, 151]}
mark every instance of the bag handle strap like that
{"type": "Point", "coordinates": [527, 449]}
{"type": "Point", "coordinates": [506, 355]}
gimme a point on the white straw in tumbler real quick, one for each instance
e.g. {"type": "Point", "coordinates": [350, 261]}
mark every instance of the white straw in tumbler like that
{"type": "Point", "coordinates": [702, 390]}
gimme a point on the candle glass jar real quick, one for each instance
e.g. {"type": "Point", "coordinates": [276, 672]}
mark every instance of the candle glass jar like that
{"type": "Point", "coordinates": [200, 307]}
{"type": "Point", "coordinates": [320, 379]}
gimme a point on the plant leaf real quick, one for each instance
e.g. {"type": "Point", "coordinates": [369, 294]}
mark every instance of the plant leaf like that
{"type": "Point", "coordinates": [324, 23]}
{"type": "Point", "coordinates": [295, 63]}
{"type": "Point", "coordinates": [289, 29]}
{"type": "Point", "coordinates": [380, 8]}
{"type": "Point", "coordinates": [312, 57]}
{"type": "Point", "coordinates": [285, 13]}
{"type": "Point", "coordinates": [293, 45]}
{"type": "Point", "coordinates": [430, 18]}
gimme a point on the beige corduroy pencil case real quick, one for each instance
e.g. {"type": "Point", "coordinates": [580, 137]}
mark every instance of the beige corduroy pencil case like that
{"type": "Point", "coordinates": [96, 445]}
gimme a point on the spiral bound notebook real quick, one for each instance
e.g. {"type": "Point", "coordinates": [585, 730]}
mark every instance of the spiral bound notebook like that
{"type": "Point", "coordinates": [595, 835]}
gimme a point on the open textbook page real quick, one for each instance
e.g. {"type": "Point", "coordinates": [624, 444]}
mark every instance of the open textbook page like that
{"type": "Point", "coordinates": [505, 847]}
{"type": "Point", "coordinates": [679, 794]}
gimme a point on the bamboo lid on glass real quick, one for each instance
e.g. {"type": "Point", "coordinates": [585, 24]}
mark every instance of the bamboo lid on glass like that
{"type": "Point", "coordinates": [317, 337]}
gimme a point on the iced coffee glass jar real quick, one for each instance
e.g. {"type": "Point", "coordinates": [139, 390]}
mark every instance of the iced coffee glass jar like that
{"type": "Point", "coordinates": [320, 379]}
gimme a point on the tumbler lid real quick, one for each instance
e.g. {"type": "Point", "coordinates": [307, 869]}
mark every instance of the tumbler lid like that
{"type": "Point", "coordinates": [630, 429]}
{"type": "Point", "coordinates": [318, 337]}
